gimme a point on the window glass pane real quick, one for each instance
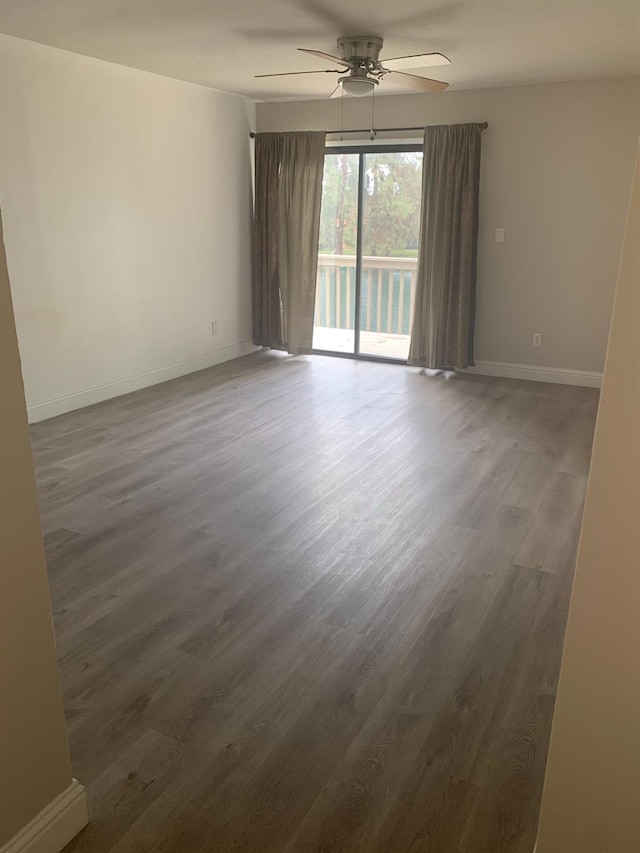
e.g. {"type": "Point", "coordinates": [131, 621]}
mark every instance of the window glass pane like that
{"type": "Point", "coordinates": [334, 320]}
{"type": "Point", "coordinates": [390, 233]}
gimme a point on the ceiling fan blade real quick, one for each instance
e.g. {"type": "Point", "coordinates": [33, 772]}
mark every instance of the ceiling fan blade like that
{"type": "Point", "coordinates": [290, 73]}
{"type": "Point", "coordinates": [413, 81]}
{"type": "Point", "coordinates": [327, 56]}
{"type": "Point", "coordinates": [322, 12]}
{"type": "Point", "coordinates": [285, 36]}
{"type": "Point", "coordinates": [422, 19]}
{"type": "Point", "coordinates": [416, 60]}
{"type": "Point", "coordinates": [444, 12]}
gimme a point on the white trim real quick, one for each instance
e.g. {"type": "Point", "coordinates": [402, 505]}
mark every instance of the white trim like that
{"type": "Point", "coordinates": [536, 373]}
{"type": "Point", "coordinates": [55, 826]}
{"type": "Point", "coordinates": [89, 396]}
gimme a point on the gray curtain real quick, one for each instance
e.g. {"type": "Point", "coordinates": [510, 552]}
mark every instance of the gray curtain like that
{"type": "Point", "coordinates": [267, 310]}
{"type": "Point", "coordinates": [289, 169]}
{"type": "Point", "coordinates": [444, 307]}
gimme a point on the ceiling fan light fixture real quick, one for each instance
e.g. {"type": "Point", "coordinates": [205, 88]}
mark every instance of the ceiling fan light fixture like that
{"type": "Point", "coordinates": [357, 86]}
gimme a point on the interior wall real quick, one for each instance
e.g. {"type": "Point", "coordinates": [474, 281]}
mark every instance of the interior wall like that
{"type": "Point", "coordinates": [557, 162]}
{"type": "Point", "coordinates": [127, 204]}
{"type": "Point", "coordinates": [591, 800]}
{"type": "Point", "coordinates": [34, 756]}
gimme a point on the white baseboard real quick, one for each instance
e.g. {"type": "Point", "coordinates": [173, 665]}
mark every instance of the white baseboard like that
{"type": "Point", "coordinates": [89, 396]}
{"type": "Point", "coordinates": [533, 372]}
{"type": "Point", "coordinates": [55, 826]}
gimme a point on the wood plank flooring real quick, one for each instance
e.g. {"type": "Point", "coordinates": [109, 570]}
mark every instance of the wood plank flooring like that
{"type": "Point", "coordinates": [311, 604]}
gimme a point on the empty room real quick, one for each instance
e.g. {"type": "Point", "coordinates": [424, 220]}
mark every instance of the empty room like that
{"type": "Point", "coordinates": [319, 426]}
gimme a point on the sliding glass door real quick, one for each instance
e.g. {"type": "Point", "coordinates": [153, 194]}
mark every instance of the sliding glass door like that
{"type": "Point", "coordinates": [390, 231]}
{"type": "Point", "coordinates": [335, 310]}
{"type": "Point", "coordinates": [368, 252]}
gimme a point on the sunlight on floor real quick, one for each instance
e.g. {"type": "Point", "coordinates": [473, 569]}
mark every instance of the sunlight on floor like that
{"type": "Point", "coordinates": [381, 344]}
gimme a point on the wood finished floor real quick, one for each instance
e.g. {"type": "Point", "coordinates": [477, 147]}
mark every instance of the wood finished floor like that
{"type": "Point", "coordinates": [311, 604]}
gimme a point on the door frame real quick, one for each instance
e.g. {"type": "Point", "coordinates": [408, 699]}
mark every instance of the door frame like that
{"type": "Point", "coordinates": [361, 149]}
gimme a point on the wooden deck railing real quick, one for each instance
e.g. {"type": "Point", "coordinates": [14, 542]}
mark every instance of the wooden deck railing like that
{"type": "Point", "coordinates": [386, 297]}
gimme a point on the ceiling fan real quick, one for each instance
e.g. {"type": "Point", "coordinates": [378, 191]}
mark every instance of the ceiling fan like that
{"type": "Point", "coordinates": [363, 70]}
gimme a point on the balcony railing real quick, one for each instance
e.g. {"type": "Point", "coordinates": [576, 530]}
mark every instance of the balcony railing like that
{"type": "Point", "coordinates": [386, 295]}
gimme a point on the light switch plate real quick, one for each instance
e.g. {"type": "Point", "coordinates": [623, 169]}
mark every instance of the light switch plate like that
{"type": "Point", "coordinates": [499, 235]}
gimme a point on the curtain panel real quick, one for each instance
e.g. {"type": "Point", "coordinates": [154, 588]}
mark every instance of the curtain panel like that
{"type": "Point", "coordinates": [444, 309]}
{"type": "Point", "coordinates": [289, 168]}
{"type": "Point", "coordinates": [266, 306]}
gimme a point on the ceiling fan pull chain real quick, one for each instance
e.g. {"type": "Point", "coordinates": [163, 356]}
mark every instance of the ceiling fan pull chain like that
{"type": "Point", "coordinates": [341, 115]}
{"type": "Point", "coordinates": [373, 114]}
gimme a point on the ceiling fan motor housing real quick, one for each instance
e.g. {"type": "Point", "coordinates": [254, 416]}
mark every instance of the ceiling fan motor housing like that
{"type": "Point", "coordinates": [366, 48]}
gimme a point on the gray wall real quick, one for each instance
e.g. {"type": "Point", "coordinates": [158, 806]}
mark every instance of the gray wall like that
{"type": "Point", "coordinates": [34, 756]}
{"type": "Point", "coordinates": [557, 167]}
{"type": "Point", "coordinates": [127, 205]}
{"type": "Point", "coordinates": [591, 800]}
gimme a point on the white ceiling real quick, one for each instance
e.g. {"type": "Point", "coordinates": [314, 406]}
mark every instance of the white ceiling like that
{"type": "Point", "coordinates": [223, 43]}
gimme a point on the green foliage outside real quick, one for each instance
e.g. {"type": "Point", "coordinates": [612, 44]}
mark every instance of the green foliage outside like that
{"type": "Point", "coordinates": [391, 206]}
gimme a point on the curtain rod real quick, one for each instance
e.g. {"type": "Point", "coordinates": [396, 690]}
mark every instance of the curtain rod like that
{"type": "Point", "coordinates": [484, 125]}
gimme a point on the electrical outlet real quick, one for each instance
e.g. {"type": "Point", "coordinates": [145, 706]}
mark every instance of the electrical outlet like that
{"type": "Point", "coordinates": [499, 235]}
{"type": "Point", "coordinates": [214, 327]}
{"type": "Point", "coordinates": [537, 339]}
